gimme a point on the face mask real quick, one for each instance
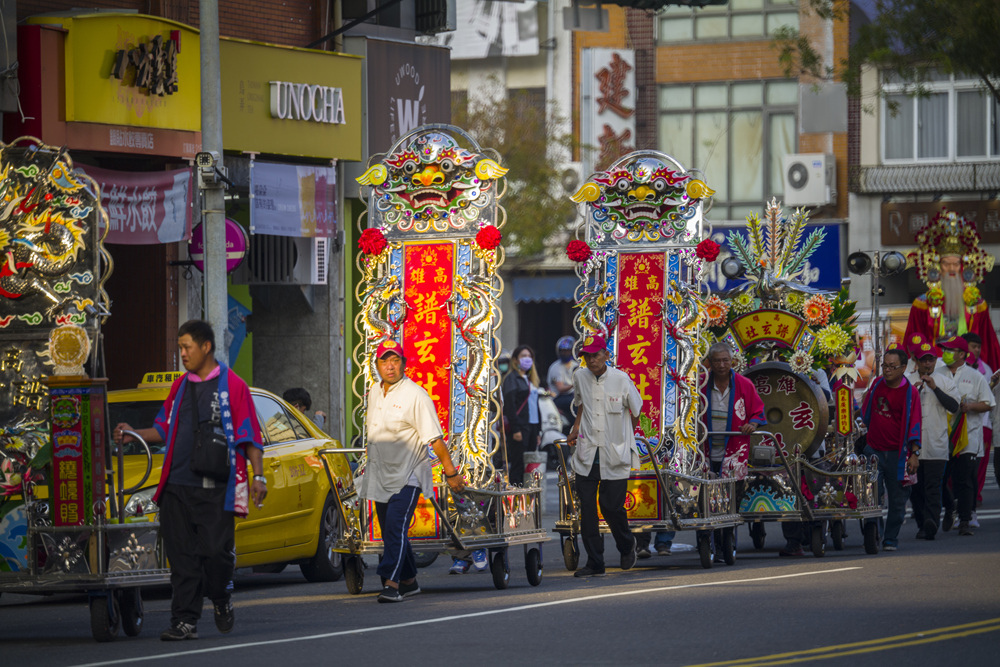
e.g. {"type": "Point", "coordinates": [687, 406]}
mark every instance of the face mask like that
{"type": "Point", "coordinates": [525, 363]}
{"type": "Point", "coordinates": [948, 356]}
{"type": "Point", "coordinates": [503, 367]}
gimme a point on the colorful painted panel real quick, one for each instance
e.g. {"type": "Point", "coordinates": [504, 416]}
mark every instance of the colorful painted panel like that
{"type": "Point", "coordinates": [423, 525]}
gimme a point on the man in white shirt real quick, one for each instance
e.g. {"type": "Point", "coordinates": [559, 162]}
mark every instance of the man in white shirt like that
{"type": "Point", "coordinates": [976, 400]}
{"type": "Point", "coordinates": [608, 407]}
{"type": "Point", "coordinates": [938, 401]}
{"type": "Point", "coordinates": [400, 423]}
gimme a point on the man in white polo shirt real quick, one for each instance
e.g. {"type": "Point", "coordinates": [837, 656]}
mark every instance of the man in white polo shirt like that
{"type": "Point", "coordinates": [608, 406]}
{"type": "Point", "coordinates": [938, 401]}
{"type": "Point", "coordinates": [400, 423]}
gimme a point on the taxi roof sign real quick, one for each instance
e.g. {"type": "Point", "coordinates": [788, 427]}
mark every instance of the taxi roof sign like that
{"type": "Point", "coordinates": [160, 379]}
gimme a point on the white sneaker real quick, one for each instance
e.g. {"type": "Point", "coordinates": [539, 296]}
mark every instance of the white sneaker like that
{"type": "Point", "coordinates": [480, 559]}
{"type": "Point", "coordinates": [974, 521]}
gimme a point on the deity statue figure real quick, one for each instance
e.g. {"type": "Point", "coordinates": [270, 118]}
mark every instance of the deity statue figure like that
{"type": "Point", "coordinates": [951, 263]}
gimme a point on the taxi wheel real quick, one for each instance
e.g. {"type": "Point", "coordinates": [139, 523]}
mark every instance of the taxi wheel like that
{"type": "Point", "coordinates": [327, 564]}
{"type": "Point", "coordinates": [104, 617]}
{"type": "Point", "coordinates": [354, 574]}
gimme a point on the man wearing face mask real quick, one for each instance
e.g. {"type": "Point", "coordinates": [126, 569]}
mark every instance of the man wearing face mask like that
{"type": "Point", "coordinates": [976, 400]}
{"type": "Point", "coordinates": [560, 376]}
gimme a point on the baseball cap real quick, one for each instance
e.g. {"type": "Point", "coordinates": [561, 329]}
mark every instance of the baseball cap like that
{"type": "Point", "coordinates": [924, 350]}
{"type": "Point", "coordinates": [388, 346]}
{"type": "Point", "coordinates": [594, 344]}
{"type": "Point", "coordinates": [956, 343]}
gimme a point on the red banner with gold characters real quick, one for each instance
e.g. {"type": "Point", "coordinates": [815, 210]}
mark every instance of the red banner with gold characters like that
{"type": "Point", "coordinates": [76, 409]}
{"type": "Point", "coordinates": [428, 270]}
{"type": "Point", "coordinates": [640, 327]}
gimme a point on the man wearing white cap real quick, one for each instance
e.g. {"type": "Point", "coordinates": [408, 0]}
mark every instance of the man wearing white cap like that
{"type": "Point", "coordinates": [400, 423]}
{"type": "Point", "coordinates": [608, 407]}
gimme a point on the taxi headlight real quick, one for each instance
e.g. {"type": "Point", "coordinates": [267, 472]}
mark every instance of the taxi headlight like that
{"type": "Point", "coordinates": [141, 503]}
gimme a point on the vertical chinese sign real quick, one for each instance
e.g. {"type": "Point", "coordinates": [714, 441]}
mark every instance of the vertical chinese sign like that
{"type": "Point", "coordinates": [77, 417]}
{"type": "Point", "coordinates": [607, 105]}
{"type": "Point", "coordinates": [428, 270]}
{"type": "Point", "coordinates": [640, 328]}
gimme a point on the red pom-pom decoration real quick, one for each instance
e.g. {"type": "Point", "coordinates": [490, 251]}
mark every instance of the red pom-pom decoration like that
{"type": "Point", "coordinates": [578, 251]}
{"type": "Point", "coordinates": [372, 242]}
{"type": "Point", "coordinates": [488, 238]}
{"type": "Point", "coordinates": [708, 250]}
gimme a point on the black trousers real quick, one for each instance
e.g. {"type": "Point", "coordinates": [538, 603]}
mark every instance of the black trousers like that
{"type": "Point", "coordinates": [964, 469]}
{"type": "Point", "coordinates": [516, 450]}
{"type": "Point", "coordinates": [612, 502]}
{"type": "Point", "coordinates": [198, 538]}
{"type": "Point", "coordinates": [925, 495]}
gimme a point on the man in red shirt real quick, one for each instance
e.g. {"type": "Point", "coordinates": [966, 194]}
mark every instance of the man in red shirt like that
{"type": "Point", "coordinates": [891, 410]}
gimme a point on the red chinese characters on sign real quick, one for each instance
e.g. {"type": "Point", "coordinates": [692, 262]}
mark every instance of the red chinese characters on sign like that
{"type": "Point", "coordinates": [762, 385]}
{"type": "Point", "coordinates": [613, 145]}
{"type": "Point", "coordinates": [427, 275]}
{"type": "Point", "coordinates": [612, 84]}
{"type": "Point", "coordinates": [68, 479]}
{"type": "Point", "coordinates": [786, 384]}
{"type": "Point", "coordinates": [640, 327]}
{"type": "Point", "coordinates": [802, 417]}
{"type": "Point", "coordinates": [845, 406]}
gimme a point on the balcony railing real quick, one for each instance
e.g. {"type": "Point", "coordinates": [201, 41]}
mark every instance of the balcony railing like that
{"type": "Point", "coordinates": [929, 178]}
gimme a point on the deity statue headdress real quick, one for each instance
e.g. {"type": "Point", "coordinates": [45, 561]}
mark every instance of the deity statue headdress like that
{"type": "Point", "coordinates": [949, 234]}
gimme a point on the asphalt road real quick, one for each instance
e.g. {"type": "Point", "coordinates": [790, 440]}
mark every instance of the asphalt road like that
{"type": "Point", "coordinates": [930, 603]}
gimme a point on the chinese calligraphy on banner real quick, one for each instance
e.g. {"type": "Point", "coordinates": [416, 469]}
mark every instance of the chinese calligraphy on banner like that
{"type": "Point", "coordinates": [767, 325]}
{"type": "Point", "coordinates": [427, 275]}
{"type": "Point", "coordinates": [77, 415]}
{"type": "Point", "coordinates": [608, 105]}
{"type": "Point", "coordinates": [640, 327]}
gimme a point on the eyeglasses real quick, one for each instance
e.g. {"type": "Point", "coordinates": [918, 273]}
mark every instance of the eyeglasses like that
{"type": "Point", "coordinates": [886, 367]}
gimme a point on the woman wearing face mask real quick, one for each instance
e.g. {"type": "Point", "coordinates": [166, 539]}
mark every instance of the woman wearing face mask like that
{"type": "Point", "coordinates": [520, 407]}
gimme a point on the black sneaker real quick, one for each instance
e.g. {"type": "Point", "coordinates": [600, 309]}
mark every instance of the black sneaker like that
{"type": "Point", "coordinates": [224, 618]}
{"type": "Point", "coordinates": [178, 631]}
{"type": "Point", "coordinates": [930, 529]}
{"type": "Point", "coordinates": [643, 553]}
{"type": "Point", "coordinates": [409, 589]}
{"type": "Point", "coordinates": [588, 572]}
{"type": "Point", "coordinates": [628, 558]}
{"type": "Point", "coordinates": [949, 521]}
{"type": "Point", "coordinates": [390, 594]}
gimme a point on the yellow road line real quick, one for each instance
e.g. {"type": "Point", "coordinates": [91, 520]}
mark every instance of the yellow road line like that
{"type": "Point", "coordinates": [868, 646]}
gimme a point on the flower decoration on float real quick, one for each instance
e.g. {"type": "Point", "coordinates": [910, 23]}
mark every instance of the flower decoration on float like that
{"type": "Point", "coordinates": [832, 339]}
{"type": "Point", "coordinates": [707, 250]}
{"type": "Point", "coordinates": [795, 301]}
{"type": "Point", "coordinates": [578, 251]}
{"type": "Point", "coordinates": [817, 310]}
{"type": "Point", "coordinates": [801, 362]}
{"type": "Point", "coordinates": [372, 242]}
{"type": "Point", "coordinates": [716, 309]}
{"type": "Point", "coordinates": [739, 361]}
{"type": "Point", "coordinates": [743, 303]}
{"type": "Point", "coordinates": [488, 237]}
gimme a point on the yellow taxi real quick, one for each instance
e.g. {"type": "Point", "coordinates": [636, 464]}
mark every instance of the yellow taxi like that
{"type": "Point", "coordinates": [298, 523]}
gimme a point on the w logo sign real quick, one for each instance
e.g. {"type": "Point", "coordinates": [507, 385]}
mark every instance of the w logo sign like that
{"type": "Point", "coordinates": [408, 112]}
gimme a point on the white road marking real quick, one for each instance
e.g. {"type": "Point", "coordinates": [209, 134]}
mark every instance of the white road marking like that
{"type": "Point", "coordinates": [459, 617]}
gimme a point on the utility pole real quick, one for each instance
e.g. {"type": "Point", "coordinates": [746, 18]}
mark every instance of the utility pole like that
{"type": "Point", "coordinates": [210, 168]}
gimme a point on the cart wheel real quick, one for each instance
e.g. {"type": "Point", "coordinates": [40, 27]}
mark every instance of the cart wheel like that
{"type": "Point", "coordinates": [818, 541]}
{"type": "Point", "coordinates": [729, 545]}
{"type": "Point", "coordinates": [500, 570]}
{"type": "Point", "coordinates": [326, 564]}
{"type": "Point", "coordinates": [837, 534]}
{"type": "Point", "coordinates": [705, 548]}
{"type": "Point", "coordinates": [758, 534]}
{"type": "Point", "coordinates": [130, 605]}
{"type": "Point", "coordinates": [104, 617]}
{"type": "Point", "coordinates": [424, 558]}
{"type": "Point", "coordinates": [871, 537]}
{"type": "Point", "coordinates": [533, 566]}
{"type": "Point", "coordinates": [571, 553]}
{"type": "Point", "coordinates": [354, 574]}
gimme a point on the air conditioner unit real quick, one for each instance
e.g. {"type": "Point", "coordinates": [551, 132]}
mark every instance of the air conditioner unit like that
{"type": "Point", "coordinates": [571, 177]}
{"type": "Point", "coordinates": [285, 260]}
{"type": "Point", "coordinates": [810, 179]}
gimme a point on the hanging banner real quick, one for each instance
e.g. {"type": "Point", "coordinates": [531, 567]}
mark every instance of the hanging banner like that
{"type": "Point", "coordinates": [428, 269]}
{"type": "Point", "coordinates": [640, 327]}
{"type": "Point", "coordinates": [147, 207]}
{"type": "Point", "coordinates": [607, 106]}
{"type": "Point", "coordinates": [293, 200]}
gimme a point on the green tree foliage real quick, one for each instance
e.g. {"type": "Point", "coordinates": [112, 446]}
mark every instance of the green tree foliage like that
{"type": "Point", "coordinates": [907, 38]}
{"type": "Point", "coordinates": [515, 126]}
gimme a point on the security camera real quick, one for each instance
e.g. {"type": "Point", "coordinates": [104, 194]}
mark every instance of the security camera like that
{"type": "Point", "coordinates": [210, 175]}
{"type": "Point", "coordinates": [206, 160]}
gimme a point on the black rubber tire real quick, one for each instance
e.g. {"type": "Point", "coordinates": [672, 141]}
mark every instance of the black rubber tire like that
{"type": "Point", "coordinates": [500, 570]}
{"type": "Point", "coordinates": [354, 574]}
{"type": "Point", "coordinates": [327, 564]}
{"type": "Point", "coordinates": [424, 558]}
{"type": "Point", "coordinates": [758, 534]}
{"type": "Point", "coordinates": [104, 617]}
{"type": "Point", "coordinates": [706, 545]}
{"type": "Point", "coordinates": [533, 566]}
{"type": "Point", "coordinates": [871, 537]}
{"type": "Point", "coordinates": [729, 545]}
{"type": "Point", "coordinates": [130, 608]}
{"type": "Point", "coordinates": [571, 553]}
{"type": "Point", "coordinates": [817, 542]}
{"type": "Point", "coordinates": [837, 534]}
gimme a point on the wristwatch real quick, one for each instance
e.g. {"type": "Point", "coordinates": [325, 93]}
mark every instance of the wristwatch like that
{"type": "Point", "coordinates": [914, 452]}
{"type": "Point", "coordinates": [260, 478]}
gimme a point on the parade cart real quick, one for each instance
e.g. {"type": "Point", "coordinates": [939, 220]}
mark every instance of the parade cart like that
{"type": "Point", "coordinates": [780, 330]}
{"type": "Point", "coordinates": [430, 250]}
{"type": "Point", "coordinates": [61, 494]}
{"type": "Point", "coordinates": [641, 276]}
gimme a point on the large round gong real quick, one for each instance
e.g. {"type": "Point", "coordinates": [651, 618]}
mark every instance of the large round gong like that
{"type": "Point", "coordinates": [795, 407]}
